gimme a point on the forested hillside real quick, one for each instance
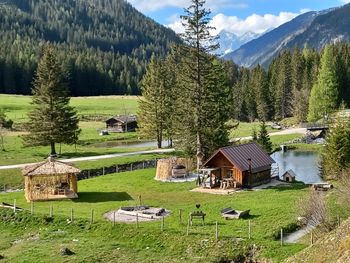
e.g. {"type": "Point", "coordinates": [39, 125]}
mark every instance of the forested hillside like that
{"type": "Point", "coordinates": [105, 44]}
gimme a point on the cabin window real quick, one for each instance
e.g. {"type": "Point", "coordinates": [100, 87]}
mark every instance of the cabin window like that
{"type": "Point", "coordinates": [229, 173]}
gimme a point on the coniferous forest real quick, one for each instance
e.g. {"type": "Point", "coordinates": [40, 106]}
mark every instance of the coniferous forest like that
{"type": "Point", "coordinates": [105, 45]}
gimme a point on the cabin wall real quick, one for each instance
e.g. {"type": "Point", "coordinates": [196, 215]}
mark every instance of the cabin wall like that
{"type": "Point", "coordinates": [226, 168]}
{"type": "Point", "coordinates": [255, 179]}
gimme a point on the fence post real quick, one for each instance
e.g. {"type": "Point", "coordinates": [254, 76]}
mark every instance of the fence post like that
{"type": "Point", "coordinates": [312, 237]}
{"type": "Point", "coordinates": [116, 169]}
{"type": "Point", "coordinates": [162, 224]}
{"type": "Point", "coordinates": [180, 213]}
{"type": "Point", "coordinates": [281, 236]}
{"type": "Point", "coordinates": [88, 174]}
{"type": "Point", "coordinates": [14, 205]}
{"type": "Point", "coordinates": [71, 215]}
{"type": "Point", "coordinates": [216, 231]}
{"type": "Point", "coordinates": [143, 165]}
{"type": "Point", "coordinates": [92, 216]}
{"type": "Point", "coordinates": [140, 200]}
{"type": "Point", "coordinates": [249, 229]}
{"type": "Point", "coordinates": [137, 220]}
{"type": "Point", "coordinates": [103, 170]}
{"type": "Point", "coordinates": [32, 208]}
{"type": "Point", "coordinates": [338, 217]}
{"type": "Point", "coordinates": [131, 166]}
{"type": "Point", "coordinates": [51, 211]}
{"type": "Point", "coordinates": [188, 226]}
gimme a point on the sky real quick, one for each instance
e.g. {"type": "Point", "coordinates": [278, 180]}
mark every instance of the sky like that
{"type": "Point", "coordinates": [235, 16]}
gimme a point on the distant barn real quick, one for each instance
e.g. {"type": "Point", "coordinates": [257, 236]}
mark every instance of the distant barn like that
{"type": "Point", "coordinates": [247, 164]}
{"type": "Point", "coordinates": [122, 123]}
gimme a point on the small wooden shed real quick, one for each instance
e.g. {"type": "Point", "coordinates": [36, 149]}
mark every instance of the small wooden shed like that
{"type": "Point", "coordinates": [289, 176]}
{"type": "Point", "coordinates": [50, 180]}
{"type": "Point", "coordinates": [122, 123]}
{"type": "Point", "coordinates": [248, 165]}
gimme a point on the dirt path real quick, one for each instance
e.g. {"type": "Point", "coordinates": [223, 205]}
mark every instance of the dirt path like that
{"type": "Point", "coordinates": [93, 158]}
{"type": "Point", "coordinates": [283, 132]}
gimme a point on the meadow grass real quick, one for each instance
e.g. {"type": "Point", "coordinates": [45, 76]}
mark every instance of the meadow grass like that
{"type": "Point", "coordinates": [271, 209]}
{"type": "Point", "coordinates": [17, 106]}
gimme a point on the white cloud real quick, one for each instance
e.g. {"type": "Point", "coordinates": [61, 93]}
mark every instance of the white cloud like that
{"type": "Point", "coordinates": [154, 5]}
{"type": "Point", "coordinates": [344, 1]}
{"type": "Point", "coordinates": [253, 23]}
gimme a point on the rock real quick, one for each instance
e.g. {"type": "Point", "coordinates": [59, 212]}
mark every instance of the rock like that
{"type": "Point", "coordinates": [66, 252]}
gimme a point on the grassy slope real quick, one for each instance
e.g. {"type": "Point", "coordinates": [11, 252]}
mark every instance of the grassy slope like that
{"type": "Point", "coordinates": [271, 209]}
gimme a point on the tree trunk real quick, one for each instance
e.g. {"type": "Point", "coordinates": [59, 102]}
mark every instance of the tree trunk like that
{"type": "Point", "coordinates": [159, 141]}
{"type": "Point", "coordinates": [53, 149]}
{"type": "Point", "coordinates": [199, 152]}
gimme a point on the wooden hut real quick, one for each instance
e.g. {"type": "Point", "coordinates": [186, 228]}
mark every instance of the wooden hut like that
{"type": "Point", "coordinates": [289, 176]}
{"type": "Point", "coordinates": [245, 165]}
{"type": "Point", "coordinates": [122, 123]}
{"type": "Point", "coordinates": [50, 180]}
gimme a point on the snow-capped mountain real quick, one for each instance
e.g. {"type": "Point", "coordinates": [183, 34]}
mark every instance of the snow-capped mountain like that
{"type": "Point", "coordinates": [230, 42]}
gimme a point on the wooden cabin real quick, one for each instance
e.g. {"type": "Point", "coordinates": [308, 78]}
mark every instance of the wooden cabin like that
{"type": "Point", "coordinates": [122, 123]}
{"type": "Point", "coordinates": [247, 165]}
{"type": "Point", "coordinates": [50, 180]}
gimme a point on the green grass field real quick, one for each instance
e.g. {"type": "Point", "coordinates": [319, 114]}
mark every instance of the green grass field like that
{"type": "Point", "coordinates": [17, 106]}
{"type": "Point", "coordinates": [40, 240]}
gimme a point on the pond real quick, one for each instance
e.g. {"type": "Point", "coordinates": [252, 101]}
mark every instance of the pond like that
{"type": "Point", "coordinates": [305, 164]}
{"type": "Point", "coordinates": [131, 144]}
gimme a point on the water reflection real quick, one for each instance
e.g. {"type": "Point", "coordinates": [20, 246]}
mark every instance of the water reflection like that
{"type": "Point", "coordinates": [305, 164]}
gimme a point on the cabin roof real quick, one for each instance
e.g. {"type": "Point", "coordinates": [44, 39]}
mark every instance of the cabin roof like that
{"type": "Point", "coordinates": [123, 118]}
{"type": "Point", "coordinates": [49, 167]}
{"type": "Point", "coordinates": [238, 156]}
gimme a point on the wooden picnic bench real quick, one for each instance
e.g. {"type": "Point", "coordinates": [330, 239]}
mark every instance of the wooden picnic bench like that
{"type": "Point", "coordinates": [198, 214]}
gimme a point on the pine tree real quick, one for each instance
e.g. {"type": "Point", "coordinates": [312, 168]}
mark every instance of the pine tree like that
{"type": "Point", "coordinates": [259, 84]}
{"type": "Point", "coordinates": [264, 138]}
{"type": "Point", "coordinates": [325, 93]}
{"type": "Point", "coordinates": [336, 153]}
{"type": "Point", "coordinates": [196, 65]}
{"type": "Point", "coordinates": [52, 120]}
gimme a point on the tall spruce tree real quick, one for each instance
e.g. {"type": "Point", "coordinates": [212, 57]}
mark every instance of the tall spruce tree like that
{"type": "Point", "coordinates": [324, 96]}
{"type": "Point", "coordinates": [153, 104]}
{"type": "Point", "coordinates": [196, 68]}
{"type": "Point", "coordinates": [336, 153]}
{"type": "Point", "coordinates": [52, 120]}
{"type": "Point", "coordinates": [259, 83]}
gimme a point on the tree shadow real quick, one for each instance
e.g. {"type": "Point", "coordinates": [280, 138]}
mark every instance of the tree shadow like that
{"type": "Point", "coordinates": [99, 197]}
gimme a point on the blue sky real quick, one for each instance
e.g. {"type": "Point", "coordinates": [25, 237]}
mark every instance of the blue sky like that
{"type": "Point", "coordinates": [236, 16]}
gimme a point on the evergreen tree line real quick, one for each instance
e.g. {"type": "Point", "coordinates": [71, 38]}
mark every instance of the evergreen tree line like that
{"type": "Point", "coordinates": [302, 83]}
{"type": "Point", "coordinates": [104, 44]}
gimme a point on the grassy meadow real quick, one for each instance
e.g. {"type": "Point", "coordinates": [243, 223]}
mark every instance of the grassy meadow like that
{"type": "Point", "coordinates": [27, 238]}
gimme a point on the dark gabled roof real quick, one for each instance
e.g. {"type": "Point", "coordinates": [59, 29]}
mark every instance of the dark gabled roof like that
{"type": "Point", "coordinates": [123, 118]}
{"type": "Point", "coordinates": [238, 155]}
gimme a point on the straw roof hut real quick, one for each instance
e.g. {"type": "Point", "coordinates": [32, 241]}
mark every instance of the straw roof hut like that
{"type": "Point", "coordinates": [168, 169]}
{"type": "Point", "coordinates": [50, 180]}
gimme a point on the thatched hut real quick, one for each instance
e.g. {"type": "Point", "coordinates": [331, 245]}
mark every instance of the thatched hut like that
{"type": "Point", "coordinates": [50, 180]}
{"type": "Point", "coordinates": [174, 167]}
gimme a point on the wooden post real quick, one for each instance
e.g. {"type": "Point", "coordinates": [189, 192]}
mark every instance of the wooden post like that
{"type": "Point", "coordinates": [88, 174]}
{"type": "Point", "coordinates": [71, 215]}
{"type": "Point", "coordinates": [140, 200]}
{"type": "Point", "coordinates": [249, 229]}
{"type": "Point", "coordinates": [188, 226]}
{"type": "Point", "coordinates": [32, 208]}
{"type": "Point", "coordinates": [281, 236]}
{"type": "Point", "coordinates": [51, 211]}
{"type": "Point", "coordinates": [216, 231]}
{"type": "Point", "coordinates": [92, 216]}
{"type": "Point", "coordinates": [114, 219]}
{"type": "Point", "coordinates": [143, 165]}
{"type": "Point", "coordinates": [162, 224]}
{"type": "Point", "coordinates": [338, 217]}
{"type": "Point", "coordinates": [103, 171]}
{"type": "Point", "coordinates": [116, 169]}
{"type": "Point", "coordinates": [137, 220]}
{"type": "Point", "coordinates": [14, 205]}
{"type": "Point", "coordinates": [131, 166]}
{"type": "Point", "coordinates": [312, 237]}
{"type": "Point", "coordinates": [180, 214]}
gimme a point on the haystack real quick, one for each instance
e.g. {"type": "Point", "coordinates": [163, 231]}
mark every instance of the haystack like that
{"type": "Point", "coordinates": [50, 180]}
{"type": "Point", "coordinates": [165, 167]}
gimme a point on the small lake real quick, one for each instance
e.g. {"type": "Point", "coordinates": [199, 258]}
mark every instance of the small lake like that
{"type": "Point", "coordinates": [305, 164]}
{"type": "Point", "coordinates": [131, 144]}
